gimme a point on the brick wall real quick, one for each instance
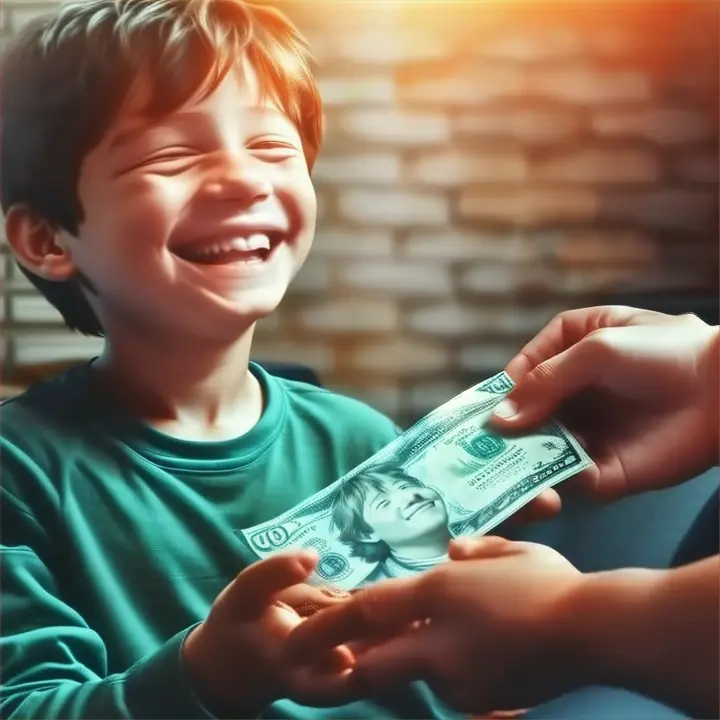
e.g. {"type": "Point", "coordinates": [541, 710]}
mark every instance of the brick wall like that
{"type": "Point", "coordinates": [486, 165]}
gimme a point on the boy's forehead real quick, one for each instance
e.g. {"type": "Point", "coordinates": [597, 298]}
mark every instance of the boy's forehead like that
{"type": "Point", "coordinates": [240, 90]}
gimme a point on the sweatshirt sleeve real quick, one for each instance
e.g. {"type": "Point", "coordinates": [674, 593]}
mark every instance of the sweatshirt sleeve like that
{"type": "Point", "coordinates": [53, 664]}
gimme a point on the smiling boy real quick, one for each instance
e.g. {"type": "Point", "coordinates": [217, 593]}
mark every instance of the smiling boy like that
{"type": "Point", "coordinates": [155, 159]}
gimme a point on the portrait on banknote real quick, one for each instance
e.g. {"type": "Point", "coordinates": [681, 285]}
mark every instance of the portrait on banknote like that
{"type": "Point", "coordinates": [449, 475]}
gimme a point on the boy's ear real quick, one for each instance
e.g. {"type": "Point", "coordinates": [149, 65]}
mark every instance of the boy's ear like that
{"type": "Point", "coordinates": [37, 246]}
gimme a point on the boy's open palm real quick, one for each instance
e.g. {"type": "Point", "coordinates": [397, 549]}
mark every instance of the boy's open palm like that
{"type": "Point", "coordinates": [236, 660]}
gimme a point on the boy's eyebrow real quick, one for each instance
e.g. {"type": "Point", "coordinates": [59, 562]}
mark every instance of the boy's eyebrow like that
{"type": "Point", "coordinates": [125, 137]}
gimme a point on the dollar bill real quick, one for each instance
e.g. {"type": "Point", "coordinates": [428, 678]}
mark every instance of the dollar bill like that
{"type": "Point", "coordinates": [447, 476]}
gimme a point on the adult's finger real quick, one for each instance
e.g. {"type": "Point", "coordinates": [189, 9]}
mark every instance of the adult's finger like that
{"type": "Point", "coordinates": [539, 394]}
{"type": "Point", "coordinates": [255, 588]}
{"type": "Point", "coordinates": [373, 611]}
{"type": "Point", "coordinates": [546, 505]}
{"type": "Point", "coordinates": [569, 328]}
{"type": "Point", "coordinates": [483, 548]}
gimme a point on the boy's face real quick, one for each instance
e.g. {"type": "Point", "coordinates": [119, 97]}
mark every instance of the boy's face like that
{"type": "Point", "coordinates": [195, 225]}
{"type": "Point", "coordinates": [404, 511]}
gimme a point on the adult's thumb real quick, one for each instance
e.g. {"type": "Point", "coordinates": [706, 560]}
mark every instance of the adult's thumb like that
{"type": "Point", "coordinates": [541, 391]}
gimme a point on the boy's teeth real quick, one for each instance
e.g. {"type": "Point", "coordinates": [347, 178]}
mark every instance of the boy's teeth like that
{"type": "Point", "coordinates": [248, 244]}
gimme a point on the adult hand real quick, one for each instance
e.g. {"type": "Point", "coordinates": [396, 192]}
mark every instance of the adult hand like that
{"type": "Point", "coordinates": [235, 658]}
{"type": "Point", "coordinates": [638, 388]}
{"type": "Point", "coordinates": [483, 633]}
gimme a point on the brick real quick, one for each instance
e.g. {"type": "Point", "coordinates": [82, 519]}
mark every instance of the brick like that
{"type": "Point", "coordinates": [396, 127]}
{"type": "Point", "coordinates": [21, 15]}
{"type": "Point", "coordinates": [394, 208]}
{"type": "Point", "coordinates": [605, 248]}
{"type": "Point", "coordinates": [317, 356]}
{"type": "Point", "coordinates": [693, 210]}
{"type": "Point", "coordinates": [529, 126]}
{"type": "Point", "coordinates": [384, 397]}
{"type": "Point", "coordinates": [387, 45]}
{"type": "Point", "coordinates": [425, 396]}
{"type": "Point", "coordinates": [270, 324]}
{"type": "Point", "coordinates": [484, 279]}
{"type": "Point", "coordinates": [402, 357]}
{"type": "Point", "coordinates": [698, 167]}
{"type": "Point", "coordinates": [666, 126]}
{"type": "Point", "coordinates": [54, 346]}
{"type": "Point", "coordinates": [600, 166]}
{"type": "Point", "coordinates": [529, 206]}
{"type": "Point", "coordinates": [603, 279]}
{"type": "Point", "coordinates": [485, 84]}
{"type": "Point", "coordinates": [454, 320]}
{"type": "Point", "coordinates": [453, 244]}
{"type": "Point", "coordinates": [587, 86]}
{"type": "Point", "coordinates": [33, 309]}
{"type": "Point", "coordinates": [533, 45]}
{"type": "Point", "coordinates": [343, 243]}
{"type": "Point", "coordinates": [400, 279]}
{"type": "Point", "coordinates": [486, 357]}
{"type": "Point", "coordinates": [380, 168]}
{"type": "Point", "coordinates": [350, 316]}
{"type": "Point", "coordinates": [371, 90]}
{"type": "Point", "coordinates": [453, 168]}
{"type": "Point", "coordinates": [314, 276]}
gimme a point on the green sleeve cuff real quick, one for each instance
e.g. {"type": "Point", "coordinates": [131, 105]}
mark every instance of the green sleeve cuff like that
{"type": "Point", "coordinates": [157, 687]}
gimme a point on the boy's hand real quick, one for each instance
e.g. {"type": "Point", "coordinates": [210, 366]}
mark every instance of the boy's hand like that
{"type": "Point", "coordinates": [235, 659]}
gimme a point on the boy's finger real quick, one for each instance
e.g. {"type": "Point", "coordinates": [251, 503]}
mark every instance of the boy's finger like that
{"type": "Point", "coordinates": [255, 588]}
{"type": "Point", "coordinates": [383, 608]}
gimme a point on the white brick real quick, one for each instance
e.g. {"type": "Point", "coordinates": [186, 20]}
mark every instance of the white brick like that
{"type": "Point", "coordinates": [529, 126]}
{"type": "Point", "coordinates": [396, 127]}
{"type": "Point", "coordinates": [452, 320]}
{"type": "Point", "coordinates": [384, 45]}
{"type": "Point", "coordinates": [587, 86]}
{"type": "Point", "coordinates": [452, 244]}
{"type": "Point", "coordinates": [33, 309]}
{"type": "Point", "coordinates": [505, 279]}
{"type": "Point", "coordinates": [668, 126]}
{"type": "Point", "coordinates": [401, 356]}
{"type": "Point", "coordinates": [317, 357]}
{"type": "Point", "coordinates": [374, 90]}
{"type": "Point", "coordinates": [376, 168]}
{"type": "Point", "coordinates": [398, 278]}
{"type": "Point", "coordinates": [394, 208]}
{"type": "Point", "coordinates": [350, 316]}
{"type": "Point", "coordinates": [533, 45]}
{"type": "Point", "coordinates": [19, 16]}
{"type": "Point", "coordinates": [54, 346]}
{"type": "Point", "coordinates": [314, 276]}
{"type": "Point", "coordinates": [270, 324]}
{"type": "Point", "coordinates": [485, 357]}
{"type": "Point", "coordinates": [426, 396]}
{"type": "Point", "coordinates": [344, 243]}
{"type": "Point", "coordinates": [486, 84]}
{"type": "Point", "coordinates": [455, 167]}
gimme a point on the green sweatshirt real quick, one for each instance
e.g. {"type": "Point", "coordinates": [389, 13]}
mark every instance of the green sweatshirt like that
{"type": "Point", "coordinates": [116, 539]}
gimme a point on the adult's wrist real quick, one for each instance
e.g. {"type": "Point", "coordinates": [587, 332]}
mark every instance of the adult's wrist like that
{"type": "Point", "coordinates": [603, 627]}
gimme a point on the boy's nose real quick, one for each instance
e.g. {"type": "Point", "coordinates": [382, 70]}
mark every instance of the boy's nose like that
{"type": "Point", "coordinates": [240, 178]}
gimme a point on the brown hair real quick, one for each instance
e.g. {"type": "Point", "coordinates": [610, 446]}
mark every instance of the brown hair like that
{"type": "Point", "coordinates": [66, 75]}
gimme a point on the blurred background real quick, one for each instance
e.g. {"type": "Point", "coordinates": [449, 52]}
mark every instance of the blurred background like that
{"type": "Point", "coordinates": [486, 166]}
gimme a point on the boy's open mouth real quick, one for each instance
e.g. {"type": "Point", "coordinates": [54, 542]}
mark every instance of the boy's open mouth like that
{"type": "Point", "coordinates": [255, 248]}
